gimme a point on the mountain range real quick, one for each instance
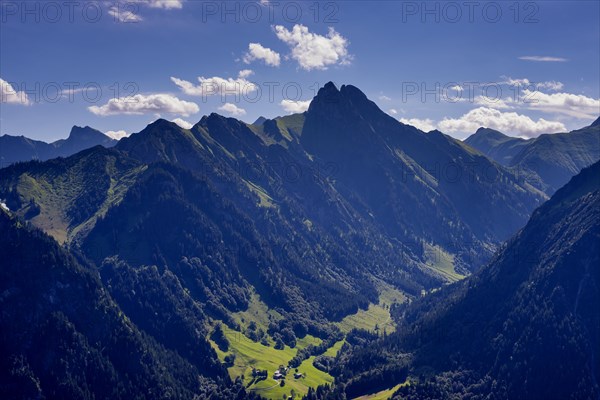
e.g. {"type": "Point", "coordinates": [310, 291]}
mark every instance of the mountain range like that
{"type": "Point", "coordinates": [546, 162]}
{"type": "Point", "coordinates": [174, 239]}
{"type": "Point", "coordinates": [19, 148]}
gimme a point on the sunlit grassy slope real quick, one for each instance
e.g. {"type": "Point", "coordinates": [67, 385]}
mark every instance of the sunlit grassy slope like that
{"type": "Point", "coordinates": [251, 354]}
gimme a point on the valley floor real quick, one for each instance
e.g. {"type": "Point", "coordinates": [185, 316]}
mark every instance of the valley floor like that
{"type": "Point", "coordinates": [250, 354]}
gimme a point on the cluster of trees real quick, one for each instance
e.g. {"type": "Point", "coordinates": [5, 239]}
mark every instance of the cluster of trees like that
{"type": "Point", "coordinates": [64, 336]}
{"type": "Point", "coordinates": [256, 334]}
{"type": "Point", "coordinates": [312, 350]}
{"type": "Point", "coordinates": [218, 336]}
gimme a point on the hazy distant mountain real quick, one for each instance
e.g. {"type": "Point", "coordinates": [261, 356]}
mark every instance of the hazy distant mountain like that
{"type": "Point", "coordinates": [496, 145]}
{"type": "Point", "coordinates": [546, 162]}
{"type": "Point", "coordinates": [502, 332]}
{"type": "Point", "coordinates": [20, 148]}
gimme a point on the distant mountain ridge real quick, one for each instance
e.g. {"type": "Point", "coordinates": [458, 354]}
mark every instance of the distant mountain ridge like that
{"type": "Point", "coordinates": [546, 162]}
{"type": "Point", "coordinates": [20, 148]}
{"type": "Point", "coordinates": [496, 145]}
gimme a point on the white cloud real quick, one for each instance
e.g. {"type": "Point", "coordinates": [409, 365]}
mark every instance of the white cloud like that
{"type": "Point", "coordinates": [574, 105]}
{"type": "Point", "coordinates": [507, 122]}
{"type": "Point", "coordinates": [294, 107]}
{"type": "Point", "coordinates": [126, 10]}
{"type": "Point", "coordinates": [543, 59]}
{"type": "Point", "coordinates": [384, 98]}
{"type": "Point", "coordinates": [551, 85]}
{"type": "Point", "coordinates": [257, 52]}
{"type": "Point", "coordinates": [9, 95]}
{"type": "Point", "coordinates": [526, 83]}
{"type": "Point", "coordinates": [166, 4]}
{"type": "Point", "coordinates": [232, 109]}
{"type": "Point", "coordinates": [117, 135]}
{"type": "Point", "coordinates": [245, 73]}
{"type": "Point", "coordinates": [146, 104]}
{"type": "Point", "coordinates": [313, 51]}
{"type": "Point", "coordinates": [393, 111]}
{"type": "Point", "coordinates": [492, 102]}
{"type": "Point", "coordinates": [183, 123]}
{"type": "Point", "coordinates": [123, 14]}
{"type": "Point", "coordinates": [425, 125]}
{"type": "Point", "coordinates": [217, 85]}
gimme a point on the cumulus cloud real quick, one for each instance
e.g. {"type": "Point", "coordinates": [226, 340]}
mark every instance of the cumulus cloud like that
{"type": "Point", "coordinates": [9, 95]}
{"type": "Point", "coordinates": [507, 122]}
{"type": "Point", "coordinates": [313, 51]}
{"type": "Point", "coordinates": [183, 123]}
{"type": "Point", "coordinates": [146, 104]}
{"type": "Point", "coordinates": [117, 135]}
{"type": "Point", "coordinates": [245, 73]}
{"type": "Point", "coordinates": [543, 59]}
{"type": "Point", "coordinates": [163, 4]}
{"type": "Point", "coordinates": [425, 125]}
{"type": "Point", "coordinates": [217, 85]}
{"type": "Point", "coordinates": [574, 105]}
{"type": "Point", "coordinates": [492, 102]}
{"type": "Point", "coordinates": [232, 109]}
{"type": "Point", "coordinates": [126, 10]}
{"type": "Point", "coordinates": [166, 4]}
{"type": "Point", "coordinates": [256, 51]}
{"type": "Point", "coordinates": [524, 82]}
{"type": "Point", "coordinates": [294, 107]}
{"type": "Point", "coordinates": [123, 14]}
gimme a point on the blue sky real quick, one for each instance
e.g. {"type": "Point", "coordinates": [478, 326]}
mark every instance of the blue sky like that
{"type": "Point", "coordinates": [524, 68]}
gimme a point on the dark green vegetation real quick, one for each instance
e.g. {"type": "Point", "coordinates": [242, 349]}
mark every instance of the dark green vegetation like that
{"type": "Point", "coordinates": [19, 148]}
{"type": "Point", "coordinates": [546, 162]}
{"type": "Point", "coordinates": [64, 336]}
{"type": "Point", "coordinates": [524, 327]}
{"type": "Point", "coordinates": [319, 215]}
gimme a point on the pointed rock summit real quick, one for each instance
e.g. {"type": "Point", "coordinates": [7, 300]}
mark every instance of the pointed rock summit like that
{"type": "Point", "coordinates": [259, 121]}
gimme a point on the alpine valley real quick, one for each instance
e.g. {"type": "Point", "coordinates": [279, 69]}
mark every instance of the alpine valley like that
{"type": "Point", "coordinates": [332, 254]}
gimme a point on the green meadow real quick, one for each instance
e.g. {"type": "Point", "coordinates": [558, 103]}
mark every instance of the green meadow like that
{"type": "Point", "coordinates": [250, 354]}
